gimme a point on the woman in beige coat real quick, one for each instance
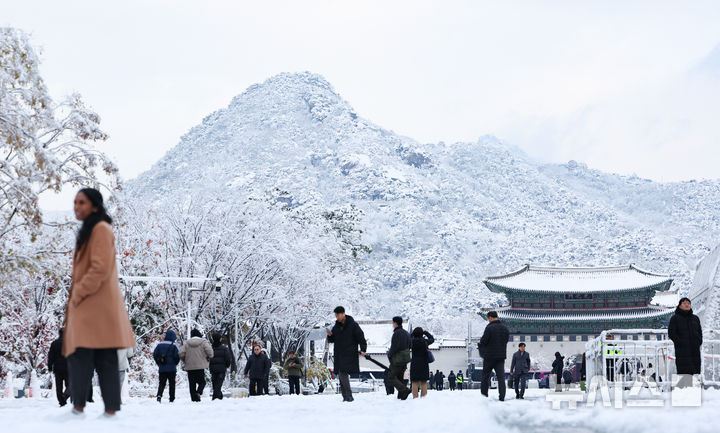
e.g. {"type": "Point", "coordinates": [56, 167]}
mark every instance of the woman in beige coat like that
{"type": "Point", "coordinates": [97, 322]}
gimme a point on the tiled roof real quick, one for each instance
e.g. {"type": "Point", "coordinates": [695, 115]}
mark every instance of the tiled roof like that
{"type": "Point", "coordinates": [630, 314]}
{"type": "Point", "coordinates": [578, 280]}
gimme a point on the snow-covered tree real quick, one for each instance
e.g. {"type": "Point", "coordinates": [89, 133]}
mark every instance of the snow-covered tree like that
{"type": "Point", "coordinates": [280, 270]}
{"type": "Point", "coordinates": [44, 146]}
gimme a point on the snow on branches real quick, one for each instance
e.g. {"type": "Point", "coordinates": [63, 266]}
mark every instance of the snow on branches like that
{"type": "Point", "coordinates": [281, 272]}
{"type": "Point", "coordinates": [44, 145]}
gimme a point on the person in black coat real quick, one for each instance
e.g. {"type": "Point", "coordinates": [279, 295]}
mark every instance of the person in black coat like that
{"type": "Point", "coordinates": [256, 369]}
{"type": "Point", "coordinates": [557, 369]}
{"type": "Point", "coordinates": [439, 380]}
{"type": "Point", "coordinates": [452, 381]}
{"type": "Point", "coordinates": [493, 349]}
{"type": "Point", "coordinates": [419, 365]}
{"type": "Point", "coordinates": [219, 363]}
{"type": "Point", "coordinates": [686, 334]}
{"type": "Point", "coordinates": [399, 356]}
{"type": "Point", "coordinates": [57, 364]}
{"type": "Point", "coordinates": [346, 335]}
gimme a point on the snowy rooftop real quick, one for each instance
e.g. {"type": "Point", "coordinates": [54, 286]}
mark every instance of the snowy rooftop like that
{"type": "Point", "coordinates": [528, 315]}
{"type": "Point", "coordinates": [547, 279]}
{"type": "Point", "coordinates": [448, 342]}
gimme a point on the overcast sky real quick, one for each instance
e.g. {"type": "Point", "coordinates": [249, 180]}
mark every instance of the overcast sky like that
{"type": "Point", "coordinates": [626, 87]}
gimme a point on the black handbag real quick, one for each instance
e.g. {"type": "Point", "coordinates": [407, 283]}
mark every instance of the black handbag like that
{"type": "Point", "coordinates": [430, 357]}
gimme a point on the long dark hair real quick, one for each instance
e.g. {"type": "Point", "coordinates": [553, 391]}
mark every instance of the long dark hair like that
{"type": "Point", "coordinates": [96, 199]}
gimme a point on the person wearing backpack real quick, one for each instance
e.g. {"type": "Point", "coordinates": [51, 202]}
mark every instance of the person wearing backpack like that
{"type": "Point", "coordinates": [420, 363]}
{"type": "Point", "coordinates": [167, 357]}
{"type": "Point", "coordinates": [399, 356]}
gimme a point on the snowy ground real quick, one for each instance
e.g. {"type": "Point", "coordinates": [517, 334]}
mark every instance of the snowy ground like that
{"type": "Point", "coordinates": [459, 411]}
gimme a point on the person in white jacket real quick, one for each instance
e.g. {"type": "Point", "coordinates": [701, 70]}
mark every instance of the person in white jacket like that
{"type": "Point", "coordinates": [123, 364]}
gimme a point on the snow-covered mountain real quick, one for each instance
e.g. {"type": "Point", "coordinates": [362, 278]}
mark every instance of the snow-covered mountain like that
{"type": "Point", "coordinates": [437, 217]}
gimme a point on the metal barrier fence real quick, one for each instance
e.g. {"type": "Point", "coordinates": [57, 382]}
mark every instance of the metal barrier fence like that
{"type": "Point", "coordinates": [646, 354]}
{"type": "Point", "coordinates": [629, 355]}
{"type": "Point", "coordinates": [711, 359]}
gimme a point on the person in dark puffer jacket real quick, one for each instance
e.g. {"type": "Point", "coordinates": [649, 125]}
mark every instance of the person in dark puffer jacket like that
{"type": "Point", "coordinates": [167, 370]}
{"type": "Point", "coordinates": [685, 332]}
{"type": "Point", "coordinates": [219, 363]}
{"type": "Point", "coordinates": [256, 369]}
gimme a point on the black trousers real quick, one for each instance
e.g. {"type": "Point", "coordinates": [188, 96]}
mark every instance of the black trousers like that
{"type": "Point", "coordinates": [520, 382]}
{"type": "Point", "coordinates": [345, 386]}
{"type": "Point", "coordinates": [80, 368]}
{"type": "Point", "coordinates": [294, 384]}
{"type": "Point", "coordinates": [488, 366]}
{"type": "Point", "coordinates": [397, 372]}
{"type": "Point", "coordinates": [196, 378]}
{"type": "Point", "coordinates": [168, 378]}
{"type": "Point", "coordinates": [62, 387]}
{"type": "Point", "coordinates": [217, 382]}
{"type": "Point", "coordinates": [256, 386]}
{"type": "Point", "coordinates": [610, 369]}
{"type": "Point", "coordinates": [266, 386]}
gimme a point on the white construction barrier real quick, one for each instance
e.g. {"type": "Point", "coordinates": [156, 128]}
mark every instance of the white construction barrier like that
{"type": "Point", "coordinates": [9, 386]}
{"type": "Point", "coordinates": [34, 388]}
{"type": "Point", "coordinates": [125, 389]}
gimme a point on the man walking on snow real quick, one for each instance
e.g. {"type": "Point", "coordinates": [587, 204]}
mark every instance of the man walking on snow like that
{"type": "Point", "coordinates": [519, 369]}
{"type": "Point", "coordinates": [493, 349]}
{"type": "Point", "coordinates": [346, 336]}
{"type": "Point", "coordinates": [399, 356]}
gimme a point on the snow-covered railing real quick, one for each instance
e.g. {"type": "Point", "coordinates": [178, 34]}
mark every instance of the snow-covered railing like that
{"type": "Point", "coordinates": [642, 356]}
{"type": "Point", "coordinates": [629, 360]}
{"type": "Point", "coordinates": [711, 358]}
